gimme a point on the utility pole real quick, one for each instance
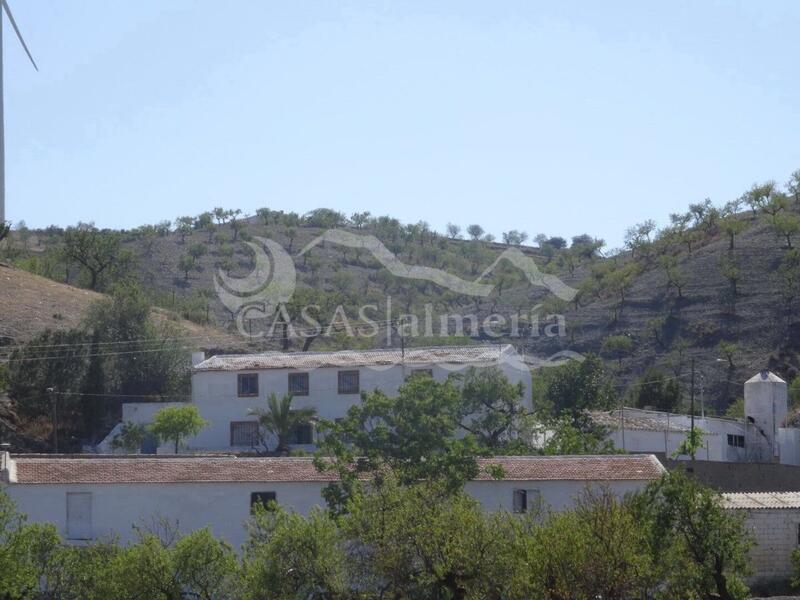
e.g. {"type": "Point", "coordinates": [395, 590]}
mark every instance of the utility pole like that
{"type": "Point", "coordinates": [54, 404]}
{"type": "Point", "coordinates": [691, 434]}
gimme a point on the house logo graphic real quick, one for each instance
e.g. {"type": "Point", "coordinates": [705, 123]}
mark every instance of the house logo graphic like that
{"type": "Point", "coordinates": [273, 281]}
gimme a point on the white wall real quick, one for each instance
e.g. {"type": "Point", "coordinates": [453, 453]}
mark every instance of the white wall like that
{"type": "Point", "coordinates": [555, 495]}
{"type": "Point", "coordinates": [115, 508]}
{"type": "Point", "coordinates": [775, 534]}
{"type": "Point", "coordinates": [715, 441]}
{"type": "Point", "coordinates": [215, 395]}
{"type": "Point", "coordinates": [224, 507]}
{"type": "Point", "coordinates": [789, 443]}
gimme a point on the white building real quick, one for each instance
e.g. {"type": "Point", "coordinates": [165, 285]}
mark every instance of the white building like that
{"type": "Point", "coordinates": [225, 388]}
{"type": "Point", "coordinates": [762, 436]}
{"type": "Point", "coordinates": [95, 497]}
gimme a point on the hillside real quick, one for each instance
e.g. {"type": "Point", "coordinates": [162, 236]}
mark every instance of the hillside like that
{"type": "Point", "coordinates": [677, 294]}
{"type": "Point", "coordinates": [31, 304]}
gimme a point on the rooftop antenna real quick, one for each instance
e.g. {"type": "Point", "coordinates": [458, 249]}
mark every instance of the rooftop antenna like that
{"type": "Point", "coordinates": [5, 9]}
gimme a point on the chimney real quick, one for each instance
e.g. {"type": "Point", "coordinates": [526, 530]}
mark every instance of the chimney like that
{"type": "Point", "coordinates": [8, 468]}
{"type": "Point", "coordinates": [198, 357]}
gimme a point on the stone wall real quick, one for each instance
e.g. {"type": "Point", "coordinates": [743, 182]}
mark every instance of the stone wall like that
{"type": "Point", "coordinates": [775, 533]}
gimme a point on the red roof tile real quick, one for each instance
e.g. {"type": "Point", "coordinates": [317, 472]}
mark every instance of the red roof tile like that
{"type": "Point", "coordinates": [44, 470]}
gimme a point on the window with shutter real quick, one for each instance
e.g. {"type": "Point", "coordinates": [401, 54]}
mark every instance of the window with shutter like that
{"type": "Point", "coordinates": [79, 515]}
{"type": "Point", "coordinates": [520, 501]}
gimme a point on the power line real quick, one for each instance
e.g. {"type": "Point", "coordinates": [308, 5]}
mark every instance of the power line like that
{"type": "Point", "coordinates": [225, 337]}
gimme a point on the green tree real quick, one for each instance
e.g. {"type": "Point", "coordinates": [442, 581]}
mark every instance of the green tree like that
{"type": "Point", "coordinates": [195, 565]}
{"type": "Point", "coordinates": [281, 420]}
{"type": "Point", "coordinates": [421, 541]}
{"type": "Point", "coordinates": [94, 250]}
{"type": "Point", "coordinates": [658, 390]}
{"type": "Point", "coordinates": [155, 360]}
{"type": "Point", "coordinates": [493, 409]}
{"type": "Point", "coordinates": [184, 226]}
{"type": "Point", "coordinates": [736, 409]}
{"type": "Point", "coordinates": [732, 225]}
{"type": "Point", "coordinates": [198, 250]}
{"type": "Point", "coordinates": [675, 276]}
{"type": "Point", "coordinates": [25, 550]}
{"type": "Point", "coordinates": [290, 556]}
{"type": "Point", "coordinates": [130, 438]}
{"type": "Point", "coordinates": [412, 435]}
{"type": "Point", "coordinates": [786, 226]}
{"type": "Point", "coordinates": [617, 347]}
{"type": "Point", "coordinates": [794, 393]}
{"type": "Point", "coordinates": [186, 263]}
{"type": "Point", "coordinates": [793, 186]}
{"type": "Point", "coordinates": [475, 232]}
{"type": "Point", "coordinates": [703, 546]}
{"type": "Point", "coordinates": [576, 436]}
{"type": "Point", "coordinates": [597, 550]}
{"type": "Point", "coordinates": [176, 423]}
{"type": "Point", "coordinates": [690, 444]}
{"type": "Point", "coordinates": [575, 387]}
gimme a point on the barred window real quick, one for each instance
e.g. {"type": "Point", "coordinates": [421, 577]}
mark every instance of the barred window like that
{"type": "Point", "coordinates": [348, 382]}
{"type": "Point", "coordinates": [298, 384]}
{"type": "Point", "coordinates": [244, 433]}
{"type": "Point", "coordinates": [248, 384]}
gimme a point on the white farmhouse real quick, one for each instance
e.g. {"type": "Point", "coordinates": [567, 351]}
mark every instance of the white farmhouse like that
{"type": "Point", "coordinates": [93, 497]}
{"type": "Point", "coordinates": [225, 388]}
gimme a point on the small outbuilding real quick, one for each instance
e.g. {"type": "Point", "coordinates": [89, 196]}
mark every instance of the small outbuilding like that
{"type": "Point", "coordinates": [773, 519]}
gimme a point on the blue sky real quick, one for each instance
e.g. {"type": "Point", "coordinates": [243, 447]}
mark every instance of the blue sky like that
{"type": "Point", "coordinates": [556, 117]}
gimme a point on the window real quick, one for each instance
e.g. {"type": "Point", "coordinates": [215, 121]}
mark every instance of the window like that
{"type": "Point", "coordinates": [248, 384]}
{"type": "Point", "coordinates": [264, 498]}
{"type": "Point", "coordinates": [79, 515]}
{"type": "Point", "coordinates": [526, 500]}
{"type": "Point", "coordinates": [737, 441]}
{"type": "Point", "coordinates": [348, 382]}
{"type": "Point", "coordinates": [298, 384]}
{"type": "Point", "coordinates": [244, 433]}
{"type": "Point", "coordinates": [303, 434]}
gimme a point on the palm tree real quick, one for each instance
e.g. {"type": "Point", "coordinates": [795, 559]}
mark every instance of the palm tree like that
{"type": "Point", "coordinates": [281, 420]}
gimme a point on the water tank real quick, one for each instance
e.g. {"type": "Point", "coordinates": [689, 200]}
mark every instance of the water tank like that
{"type": "Point", "coordinates": [765, 408]}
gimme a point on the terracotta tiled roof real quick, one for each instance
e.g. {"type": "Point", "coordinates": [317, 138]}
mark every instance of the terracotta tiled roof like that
{"type": "Point", "coordinates": [611, 467]}
{"type": "Point", "coordinates": [748, 500]}
{"type": "Point", "coordinates": [42, 470]}
{"type": "Point", "coordinates": [483, 354]}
